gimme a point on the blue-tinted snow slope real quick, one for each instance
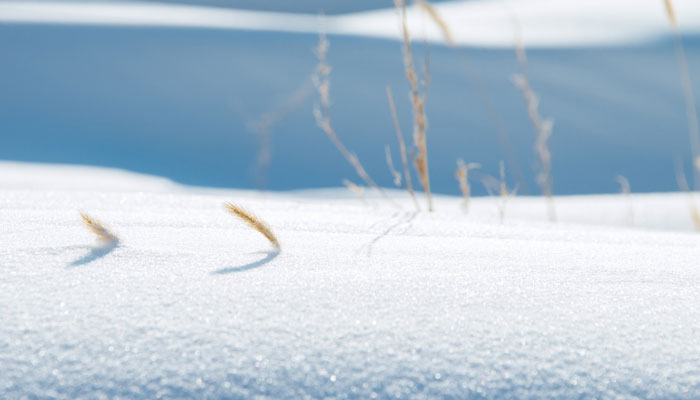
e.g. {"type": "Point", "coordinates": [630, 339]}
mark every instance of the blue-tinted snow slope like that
{"type": "Point", "coordinates": [295, 6]}
{"type": "Point", "coordinates": [181, 103]}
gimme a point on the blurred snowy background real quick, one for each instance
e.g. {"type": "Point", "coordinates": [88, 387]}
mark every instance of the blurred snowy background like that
{"type": "Point", "coordinates": [181, 88]}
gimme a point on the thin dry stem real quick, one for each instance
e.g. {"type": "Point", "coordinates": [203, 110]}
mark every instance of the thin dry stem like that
{"type": "Point", "coordinates": [671, 13]}
{"type": "Point", "coordinates": [254, 222]}
{"type": "Point", "coordinates": [504, 195]}
{"type": "Point", "coordinates": [359, 191]}
{"type": "Point", "coordinates": [390, 163]}
{"type": "Point", "coordinates": [462, 176]}
{"type": "Point", "coordinates": [481, 92]}
{"type": "Point", "coordinates": [441, 23]}
{"type": "Point", "coordinates": [321, 80]}
{"type": "Point", "coordinates": [96, 227]}
{"type": "Point", "coordinates": [402, 148]}
{"type": "Point", "coordinates": [541, 126]}
{"type": "Point", "coordinates": [690, 110]}
{"type": "Point", "coordinates": [420, 124]}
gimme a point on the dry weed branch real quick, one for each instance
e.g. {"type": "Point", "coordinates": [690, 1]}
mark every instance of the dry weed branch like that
{"type": "Point", "coordinates": [420, 124]}
{"type": "Point", "coordinates": [96, 227]}
{"type": "Point", "coordinates": [402, 148]}
{"type": "Point", "coordinates": [476, 82]}
{"type": "Point", "coordinates": [462, 176]}
{"type": "Point", "coordinates": [253, 221]}
{"type": "Point", "coordinates": [390, 163]}
{"type": "Point", "coordinates": [500, 186]}
{"type": "Point", "coordinates": [437, 19]}
{"type": "Point", "coordinates": [541, 126]}
{"type": "Point", "coordinates": [321, 80]}
{"type": "Point", "coordinates": [690, 111]}
{"type": "Point", "coordinates": [356, 189]}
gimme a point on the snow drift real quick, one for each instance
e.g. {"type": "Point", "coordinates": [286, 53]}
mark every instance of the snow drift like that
{"type": "Point", "coordinates": [365, 301]}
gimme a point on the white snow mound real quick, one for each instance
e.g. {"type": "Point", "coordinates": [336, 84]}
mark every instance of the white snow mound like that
{"type": "Point", "coordinates": [545, 23]}
{"type": "Point", "coordinates": [364, 300]}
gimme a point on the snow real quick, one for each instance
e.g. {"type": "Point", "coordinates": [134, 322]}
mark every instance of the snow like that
{"type": "Point", "coordinates": [545, 23]}
{"type": "Point", "coordinates": [363, 301]}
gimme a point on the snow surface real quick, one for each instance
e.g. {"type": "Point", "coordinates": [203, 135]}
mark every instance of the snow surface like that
{"type": "Point", "coordinates": [476, 23]}
{"type": "Point", "coordinates": [364, 301]}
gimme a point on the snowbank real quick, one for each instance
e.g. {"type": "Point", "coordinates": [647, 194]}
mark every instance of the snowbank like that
{"type": "Point", "coordinates": [364, 301]}
{"type": "Point", "coordinates": [544, 23]}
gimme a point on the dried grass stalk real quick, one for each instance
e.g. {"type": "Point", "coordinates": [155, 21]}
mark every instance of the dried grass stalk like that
{"type": "Point", "coordinates": [541, 126]}
{"type": "Point", "coordinates": [690, 110]}
{"type": "Point", "coordinates": [671, 13]}
{"type": "Point", "coordinates": [441, 23]}
{"type": "Point", "coordinates": [402, 148]}
{"type": "Point", "coordinates": [420, 123]}
{"type": "Point", "coordinates": [390, 163]}
{"type": "Point", "coordinates": [462, 176]}
{"type": "Point", "coordinates": [484, 98]}
{"type": "Point", "coordinates": [358, 190]}
{"type": "Point", "coordinates": [253, 221]}
{"type": "Point", "coordinates": [96, 227]}
{"type": "Point", "coordinates": [321, 80]}
{"type": "Point", "coordinates": [493, 185]}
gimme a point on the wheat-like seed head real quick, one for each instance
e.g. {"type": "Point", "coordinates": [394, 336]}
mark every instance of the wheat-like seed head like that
{"type": "Point", "coordinates": [435, 16]}
{"type": "Point", "coordinates": [671, 13]}
{"type": "Point", "coordinates": [253, 221]}
{"type": "Point", "coordinates": [102, 233]}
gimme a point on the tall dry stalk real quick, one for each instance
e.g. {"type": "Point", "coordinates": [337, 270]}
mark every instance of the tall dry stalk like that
{"type": "Point", "coordinates": [439, 21]}
{"type": "Point", "coordinates": [254, 222]}
{"type": "Point", "coordinates": [476, 82]}
{"type": "Point", "coordinates": [462, 176]}
{"type": "Point", "coordinates": [402, 148]}
{"type": "Point", "coordinates": [690, 110]}
{"type": "Point", "coordinates": [541, 126]}
{"type": "Point", "coordinates": [420, 123]}
{"type": "Point", "coordinates": [321, 80]}
{"type": "Point", "coordinates": [103, 234]}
